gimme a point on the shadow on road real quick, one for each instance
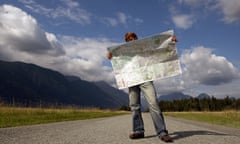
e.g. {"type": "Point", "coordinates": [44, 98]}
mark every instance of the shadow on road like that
{"type": "Point", "coordinates": [150, 136]}
{"type": "Point", "coordinates": [183, 134]}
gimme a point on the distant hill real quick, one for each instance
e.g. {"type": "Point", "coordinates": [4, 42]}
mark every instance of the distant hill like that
{"type": "Point", "coordinates": [117, 96]}
{"type": "Point", "coordinates": [31, 85]}
{"type": "Point", "coordinates": [203, 96]}
{"type": "Point", "coordinates": [180, 96]}
{"type": "Point", "coordinates": [173, 96]}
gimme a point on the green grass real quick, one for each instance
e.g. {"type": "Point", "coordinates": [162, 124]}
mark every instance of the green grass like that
{"type": "Point", "coordinates": [12, 116]}
{"type": "Point", "coordinates": [226, 118]}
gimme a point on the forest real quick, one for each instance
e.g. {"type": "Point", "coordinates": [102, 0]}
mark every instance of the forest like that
{"type": "Point", "coordinates": [204, 104]}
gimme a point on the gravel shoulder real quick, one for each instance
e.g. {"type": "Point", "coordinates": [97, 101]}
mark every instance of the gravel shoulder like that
{"type": "Point", "coordinates": [115, 130]}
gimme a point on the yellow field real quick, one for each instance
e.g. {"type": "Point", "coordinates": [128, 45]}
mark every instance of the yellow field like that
{"type": "Point", "coordinates": [226, 118]}
{"type": "Point", "coordinates": [12, 116]}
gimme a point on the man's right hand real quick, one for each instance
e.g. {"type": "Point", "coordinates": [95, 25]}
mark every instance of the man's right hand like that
{"type": "Point", "coordinates": [109, 55]}
{"type": "Point", "coordinates": [174, 38]}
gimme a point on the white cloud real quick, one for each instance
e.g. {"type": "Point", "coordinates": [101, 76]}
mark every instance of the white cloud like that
{"type": "Point", "coordinates": [183, 21]}
{"type": "Point", "coordinates": [121, 19]}
{"type": "Point", "coordinates": [111, 21]}
{"type": "Point", "coordinates": [20, 32]}
{"type": "Point", "coordinates": [195, 3]}
{"type": "Point", "coordinates": [88, 56]}
{"type": "Point", "coordinates": [203, 67]}
{"type": "Point", "coordinates": [71, 3]}
{"type": "Point", "coordinates": [230, 89]}
{"type": "Point", "coordinates": [230, 10]}
{"type": "Point", "coordinates": [179, 19]}
{"type": "Point", "coordinates": [203, 72]}
{"type": "Point", "coordinates": [23, 40]}
{"type": "Point", "coordinates": [190, 2]}
{"type": "Point", "coordinates": [68, 9]}
{"type": "Point", "coordinates": [72, 10]}
{"type": "Point", "coordinates": [138, 20]}
{"type": "Point", "coordinates": [169, 85]}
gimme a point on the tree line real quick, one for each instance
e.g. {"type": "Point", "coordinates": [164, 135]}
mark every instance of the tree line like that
{"type": "Point", "coordinates": [204, 104]}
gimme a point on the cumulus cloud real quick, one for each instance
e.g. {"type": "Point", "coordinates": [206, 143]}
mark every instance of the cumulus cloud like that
{"type": "Point", "coordinates": [23, 40]}
{"type": "Point", "coordinates": [183, 21]}
{"type": "Point", "coordinates": [169, 85]}
{"type": "Point", "coordinates": [228, 89]}
{"type": "Point", "coordinates": [87, 58]}
{"type": "Point", "coordinates": [203, 72]}
{"type": "Point", "coordinates": [230, 10]}
{"type": "Point", "coordinates": [203, 67]}
{"type": "Point", "coordinates": [20, 32]}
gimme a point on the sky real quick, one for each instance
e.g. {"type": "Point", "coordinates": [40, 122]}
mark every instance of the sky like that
{"type": "Point", "coordinates": [71, 36]}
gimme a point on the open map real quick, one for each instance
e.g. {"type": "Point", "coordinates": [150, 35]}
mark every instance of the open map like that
{"type": "Point", "coordinates": [147, 59]}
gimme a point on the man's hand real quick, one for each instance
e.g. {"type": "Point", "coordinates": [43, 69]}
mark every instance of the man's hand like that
{"type": "Point", "coordinates": [174, 38]}
{"type": "Point", "coordinates": [109, 55]}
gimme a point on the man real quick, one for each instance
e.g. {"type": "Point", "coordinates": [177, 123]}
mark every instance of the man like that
{"type": "Point", "coordinates": [135, 103]}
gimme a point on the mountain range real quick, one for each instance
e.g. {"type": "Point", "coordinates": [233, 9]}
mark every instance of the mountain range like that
{"type": "Point", "coordinates": [31, 85]}
{"type": "Point", "coordinates": [26, 84]}
{"type": "Point", "coordinates": [180, 96]}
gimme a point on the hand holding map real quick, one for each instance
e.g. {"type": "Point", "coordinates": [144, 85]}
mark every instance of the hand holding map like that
{"type": "Point", "coordinates": [147, 59]}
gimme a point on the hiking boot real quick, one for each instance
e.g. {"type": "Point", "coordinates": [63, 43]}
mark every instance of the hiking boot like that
{"type": "Point", "coordinates": [166, 138]}
{"type": "Point", "coordinates": [136, 135]}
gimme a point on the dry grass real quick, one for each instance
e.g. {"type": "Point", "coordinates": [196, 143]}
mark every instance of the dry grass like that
{"type": "Point", "coordinates": [13, 116]}
{"type": "Point", "coordinates": [226, 118]}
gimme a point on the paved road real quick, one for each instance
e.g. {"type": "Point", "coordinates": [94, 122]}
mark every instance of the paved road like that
{"type": "Point", "coordinates": [115, 130]}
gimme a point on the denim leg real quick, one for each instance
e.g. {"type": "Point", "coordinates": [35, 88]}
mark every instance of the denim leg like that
{"type": "Point", "coordinates": [158, 120]}
{"type": "Point", "coordinates": [135, 104]}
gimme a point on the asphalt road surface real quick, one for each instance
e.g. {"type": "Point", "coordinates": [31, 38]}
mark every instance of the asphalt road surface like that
{"type": "Point", "coordinates": [115, 130]}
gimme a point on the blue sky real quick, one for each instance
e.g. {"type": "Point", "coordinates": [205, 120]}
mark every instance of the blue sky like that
{"type": "Point", "coordinates": [71, 36]}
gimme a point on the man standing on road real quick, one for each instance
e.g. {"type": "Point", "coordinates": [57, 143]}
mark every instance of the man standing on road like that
{"type": "Point", "coordinates": [135, 103]}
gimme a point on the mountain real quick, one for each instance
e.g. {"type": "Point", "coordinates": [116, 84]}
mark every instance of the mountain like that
{"type": "Point", "coordinates": [173, 96]}
{"type": "Point", "coordinates": [31, 85]}
{"type": "Point", "coordinates": [119, 97]}
{"type": "Point", "coordinates": [203, 96]}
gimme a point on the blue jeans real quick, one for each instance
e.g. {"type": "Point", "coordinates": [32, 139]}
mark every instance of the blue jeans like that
{"type": "Point", "coordinates": [135, 103]}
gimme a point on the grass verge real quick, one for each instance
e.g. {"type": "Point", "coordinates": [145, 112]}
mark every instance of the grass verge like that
{"type": "Point", "coordinates": [225, 118]}
{"type": "Point", "coordinates": [12, 116]}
